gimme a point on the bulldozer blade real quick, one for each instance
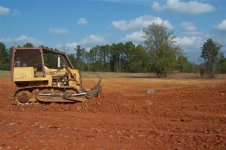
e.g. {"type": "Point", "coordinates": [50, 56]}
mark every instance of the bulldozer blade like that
{"type": "Point", "coordinates": [51, 97]}
{"type": "Point", "coordinates": [84, 96]}
{"type": "Point", "coordinates": [95, 92]}
{"type": "Point", "coordinates": [77, 99]}
{"type": "Point", "coordinates": [61, 97]}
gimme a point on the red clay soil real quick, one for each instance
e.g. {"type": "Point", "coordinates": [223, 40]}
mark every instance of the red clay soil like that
{"type": "Point", "coordinates": [132, 113]}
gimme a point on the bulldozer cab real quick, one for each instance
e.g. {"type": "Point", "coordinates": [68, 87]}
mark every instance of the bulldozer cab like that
{"type": "Point", "coordinates": [28, 58]}
{"type": "Point", "coordinates": [55, 60]}
{"type": "Point", "coordinates": [40, 66]}
{"type": "Point", "coordinates": [28, 63]}
{"type": "Point", "coordinates": [39, 59]}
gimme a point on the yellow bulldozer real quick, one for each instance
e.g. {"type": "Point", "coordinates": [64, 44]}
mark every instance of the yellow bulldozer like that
{"type": "Point", "coordinates": [46, 75]}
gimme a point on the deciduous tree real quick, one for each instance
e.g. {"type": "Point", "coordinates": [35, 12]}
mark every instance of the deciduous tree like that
{"type": "Point", "coordinates": [4, 57]}
{"type": "Point", "coordinates": [211, 55]}
{"type": "Point", "coordinates": [162, 49]}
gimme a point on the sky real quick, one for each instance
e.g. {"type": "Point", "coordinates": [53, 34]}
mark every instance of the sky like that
{"type": "Point", "coordinates": [64, 24]}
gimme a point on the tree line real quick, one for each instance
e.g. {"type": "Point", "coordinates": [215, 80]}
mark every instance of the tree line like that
{"type": "Point", "coordinates": [117, 57]}
{"type": "Point", "coordinates": [159, 53]}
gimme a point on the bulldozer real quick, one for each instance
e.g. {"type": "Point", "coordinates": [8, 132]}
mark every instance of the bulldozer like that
{"type": "Point", "coordinates": [45, 75]}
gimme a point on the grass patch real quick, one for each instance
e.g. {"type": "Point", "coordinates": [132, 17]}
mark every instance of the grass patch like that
{"type": "Point", "coordinates": [133, 75]}
{"type": "Point", "coordinates": [116, 75]}
{"type": "Point", "coordinates": [145, 75]}
{"type": "Point", "coordinates": [4, 73]}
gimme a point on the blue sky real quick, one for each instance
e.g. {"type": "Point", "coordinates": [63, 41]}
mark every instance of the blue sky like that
{"type": "Point", "coordinates": [64, 24]}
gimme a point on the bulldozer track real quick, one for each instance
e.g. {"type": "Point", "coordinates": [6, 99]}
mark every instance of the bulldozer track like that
{"type": "Point", "coordinates": [40, 88]}
{"type": "Point", "coordinates": [45, 87]}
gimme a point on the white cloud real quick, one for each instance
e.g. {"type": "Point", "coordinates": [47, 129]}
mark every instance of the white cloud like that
{"type": "Point", "coordinates": [190, 41]}
{"type": "Point", "coordinates": [87, 43]}
{"type": "Point", "coordinates": [136, 37]}
{"type": "Point", "coordinates": [58, 31]}
{"type": "Point", "coordinates": [4, 10]}
{"type": "Point", "coordinates": [93, 39]}
{"type": "Point", "coordinates": [7, 11]}
{"type": "Point", "coordinates": [6, 40]}
{"type": "Point", "coordinates": [190, 7]}
{"type": "Point", "coordinates": [189, 28]}
{"type": "Point", "coordinates": [27, 39]}
{"type": "Point", "coordinates": [192, 46]}
{"type": "Point", "coordinates": [139, 23]}
{"type": "Point", "coordinates": [23, 39]}
{"type": "Point", "coordinates": [82, 21]}
{"type": "Point", "coordinates": [221, 26]}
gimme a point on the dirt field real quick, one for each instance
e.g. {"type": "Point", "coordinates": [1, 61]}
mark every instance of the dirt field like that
{"type": "Point", "coordinates": [132, 113]}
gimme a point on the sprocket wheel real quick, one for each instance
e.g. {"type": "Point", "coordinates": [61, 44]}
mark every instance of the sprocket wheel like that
{"type": "Point", "coordinates": [23, 97]}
